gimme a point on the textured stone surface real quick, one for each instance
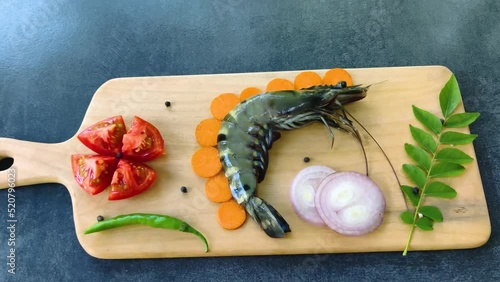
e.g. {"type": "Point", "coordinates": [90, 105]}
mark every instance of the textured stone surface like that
{"type": "Point", "coordinates": [54, 54]}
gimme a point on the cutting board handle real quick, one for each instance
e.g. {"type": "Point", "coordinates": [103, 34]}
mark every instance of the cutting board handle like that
{"type": "Point", "coordinates": [34, 163]}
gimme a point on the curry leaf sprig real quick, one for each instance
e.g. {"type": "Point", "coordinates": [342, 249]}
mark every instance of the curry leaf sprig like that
{"type": "Point", "coordinates": [435, 157]}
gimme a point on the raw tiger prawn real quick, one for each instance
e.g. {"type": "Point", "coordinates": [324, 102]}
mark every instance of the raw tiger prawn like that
{"type": "Point", "coordinates": [249, 130]}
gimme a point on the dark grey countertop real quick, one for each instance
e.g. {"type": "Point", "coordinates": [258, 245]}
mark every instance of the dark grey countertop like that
{"type": "Point", "coordinates": [55, 54]}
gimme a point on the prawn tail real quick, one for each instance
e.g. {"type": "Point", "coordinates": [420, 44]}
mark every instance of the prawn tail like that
{"type": "Point", "coordinates": [267, 217]}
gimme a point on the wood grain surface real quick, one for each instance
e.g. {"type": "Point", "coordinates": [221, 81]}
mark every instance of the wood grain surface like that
{"type": "Point", "coordinates": [385, 112]}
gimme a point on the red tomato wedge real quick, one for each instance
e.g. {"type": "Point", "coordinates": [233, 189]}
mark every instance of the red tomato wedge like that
{"type": "Point", "coordinates": [93, 172]}
{"type": "Point", "coordinates": [143, 142]}
{"type": "Point", "coordinates": [104, 137]}
{"type": "Point", "coordinates": [120, 155]}
{"type": "Point", "coordinates": [130, 179]}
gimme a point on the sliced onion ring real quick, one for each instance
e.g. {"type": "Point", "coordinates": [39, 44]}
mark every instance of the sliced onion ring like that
{"type": "Point", "coordinates": [350, 203]}
{"type": "Point", "coordinates": [303, 190]}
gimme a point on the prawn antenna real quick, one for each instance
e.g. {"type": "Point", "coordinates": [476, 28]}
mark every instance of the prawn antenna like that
{"type": "Point", "coordinates": [369, 85]}
{"type": "Point", "coordinates": [383, 152]}
{"type": "Point", "coordinates": [329, 130]}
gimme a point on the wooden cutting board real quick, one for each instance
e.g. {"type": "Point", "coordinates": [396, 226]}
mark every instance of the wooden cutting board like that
{"type": "Point", "coordinates": [385, 112]}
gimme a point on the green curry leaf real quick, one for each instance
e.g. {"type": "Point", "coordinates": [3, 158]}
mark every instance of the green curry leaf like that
{"type": "Point", "coordinates": [416, 174]}
{"type": "Point", "coordinates": [424, 139]}
{"type": "Point", "coordinates": [420, 156]}
{"type": "Point", "coordinates": [444, 169]}
{"type": "Point", "coordinates": [432, 122]}
{"type": "Point", "coordinates": [460, 120]}
{"type": "Point", "coordinates": [449, 98]}
{"type": "Point", "coordinates": [453, 155]}
{"type": "Point", "coordinates": [440, 190]}
{"type": "Point", "coordinates": [407, 217]}
{"type": "Point", "coordinates": [432, 212]}
{"type": "Point", "coordinates": [425, 224]}
{"type": "Point", "coordinates": [408, 191]}
{"type": "Point", "coordinates": [456, 138]}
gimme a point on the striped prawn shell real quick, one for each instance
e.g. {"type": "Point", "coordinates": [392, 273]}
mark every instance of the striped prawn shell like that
{"type": "Point", "coordinates": [248, 131]}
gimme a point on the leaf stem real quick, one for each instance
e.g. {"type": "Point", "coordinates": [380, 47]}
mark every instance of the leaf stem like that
{"type": "Point", "coordinates": [422, 193]}
{"type": "Point", "coordinates": [415, 218]}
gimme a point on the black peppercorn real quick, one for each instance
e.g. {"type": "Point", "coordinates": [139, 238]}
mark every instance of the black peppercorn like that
{"type": "Point", "coordinates": [184, 189]}
{"type": "Point", "coordinates": [100, 218]}
{"type": "Point", "coordinates": [307, 159]}
{"type": "Point", "coordinates": [119, 155]}
{"type": "Point", "coordinates": [415, 190]}
{"type": "Point", "coordinates": [167, 104]}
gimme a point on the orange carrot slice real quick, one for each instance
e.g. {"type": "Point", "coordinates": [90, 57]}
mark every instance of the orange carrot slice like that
{"type": "Point", "coordinates": [205, 162]}
{"type": "Point", "coordinates": [249, 92]}
{"type": "Point", "coordinates": [307, 79]}
{"type": "Point", "coordinates": [336, 75]}
{"type": "Point", "coordinates": [206, 132]}
{"type": "Point", "coordinates": [223, 104]}
{"type": "Point", "coordinates": [217, 189]}
{"type": "Point", "coordinates": [231, 215]}
{"type": "Point", "coordinates": [279, 84]}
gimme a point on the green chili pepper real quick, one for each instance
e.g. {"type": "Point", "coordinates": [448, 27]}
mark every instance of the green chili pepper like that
{"type": "Point", "coordinates": [153, 220]}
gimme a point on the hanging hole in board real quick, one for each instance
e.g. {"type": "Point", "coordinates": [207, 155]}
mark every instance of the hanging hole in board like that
{"type": "Point", "coordinates": [6, 163]}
